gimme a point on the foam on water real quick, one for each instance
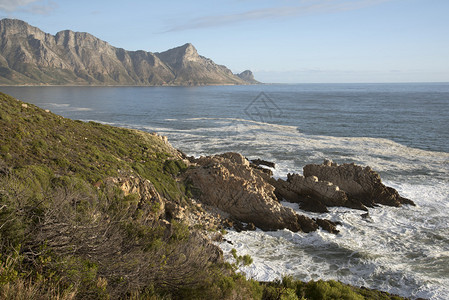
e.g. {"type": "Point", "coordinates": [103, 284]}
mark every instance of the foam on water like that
{"type": "Point", "coordinates": [286, 145]}
{"type": "Point", "coordinates": [400, 250]}
{"type": "Point", "coordinates": [65, 107]}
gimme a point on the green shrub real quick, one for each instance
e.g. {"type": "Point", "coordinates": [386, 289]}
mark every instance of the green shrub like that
{"type": "Point", "coordinates": [240, 261]}
{"type": "Point", "coordinates": [330, 290]}
{"type": "Point", "coordinates": [39, 147]}
{"type": "Point", "coordinates": [174, 167]}
{"type": "Point", "coordinates": [5, 117]}
{"type": "Point", "coordinates": [4, 149]}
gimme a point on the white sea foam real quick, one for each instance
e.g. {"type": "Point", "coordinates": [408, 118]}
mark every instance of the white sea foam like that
{"type": "Point", "coordinates": [392, 250]}
{"type": "Point", "coordinates": [268, 140]}
{"type": "Point", "coordinates": [65, 107]}
{"type": "Point", "coordinates": [396, 249]}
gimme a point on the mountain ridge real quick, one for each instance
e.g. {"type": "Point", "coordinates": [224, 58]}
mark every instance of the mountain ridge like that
{"type": "Point", "coordinates": [29, 56]}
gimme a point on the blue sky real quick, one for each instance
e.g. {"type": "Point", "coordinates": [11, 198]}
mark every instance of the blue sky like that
{"type": "Point", "coordinates": [284, 41]}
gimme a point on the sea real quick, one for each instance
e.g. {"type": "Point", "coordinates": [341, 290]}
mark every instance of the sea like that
{"type": "Point", "coordinates": [400, 130]}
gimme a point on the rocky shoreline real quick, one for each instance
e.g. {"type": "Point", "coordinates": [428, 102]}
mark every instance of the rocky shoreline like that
{"type": "Point", "coordinates": [121, 212]}
{"type": "Point", "coordinates": [242, 191]}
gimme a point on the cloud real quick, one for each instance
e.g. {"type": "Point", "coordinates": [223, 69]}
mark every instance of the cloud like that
{"type": "Point", "coordinates": [39, 7]}
{"type": "Point", "coordinates": [42, 9]}
{"type": "Point", "coordinates": [307, 7]}
{"type": "Point", "coordinates": [12, 5]}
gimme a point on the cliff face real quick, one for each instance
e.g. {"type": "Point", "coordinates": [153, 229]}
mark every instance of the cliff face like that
{"type": "Point", "coordinates": [31, 56]}
{"type": "Point", "coordinates": [248, 76]}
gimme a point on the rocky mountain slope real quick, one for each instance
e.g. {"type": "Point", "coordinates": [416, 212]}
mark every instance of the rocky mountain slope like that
{"type": "Point", "coordinates": [31, 56]}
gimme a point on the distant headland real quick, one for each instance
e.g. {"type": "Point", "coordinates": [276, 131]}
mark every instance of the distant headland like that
{"type": "Point", "coordinates": [29, 56]}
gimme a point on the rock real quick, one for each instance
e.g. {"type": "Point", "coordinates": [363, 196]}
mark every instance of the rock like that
{"type": "Point", "coordinates": [261, 162]}
{"type": "Point", "coordinates": [327, 225]}
{"type": "Point", "coordinates": [174, 211]}
{"type": "Point", "coordinates": [148, 199]}
{"type": "Point", "coordinates": [308, 203]}
{"type": "Point", "coordinates": [312, 194]}
{"type": "Point", "coordinates": [248, 76]}
{"type": "Point", "coordinates": [266, 171]}
{"type": "Point", "coordinates": [361, 184]}
{"type": "Point", "coordinates": [229, 183]}
{"type": "Point", "coordinates": [307, 224]}
{"type": "Point", "coordinates": [365, 215]}
{"type": "Point", "coordinates": [250, 227]}
{"type": "Point", "coordinates": [257, 163]}
{"type": "Point", "coordinates": [238, 226]}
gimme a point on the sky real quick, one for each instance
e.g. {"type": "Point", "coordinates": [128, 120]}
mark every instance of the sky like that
{"type": "Point", "coordinates": [283, 41]}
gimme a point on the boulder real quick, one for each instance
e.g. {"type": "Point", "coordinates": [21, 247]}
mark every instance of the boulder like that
{"type": "Point", "coordinates": [362, 185]}
{"type": "Point", "coordinates": [328, 225]}
{"type": "Point", "coordinates": [261, 162]}
{"type": "Point", "coordinates": [312, 194]}
{"type": "Point", "coordinates": [147, 198]}
{"type": "Point", "coordinates": [228, 182]}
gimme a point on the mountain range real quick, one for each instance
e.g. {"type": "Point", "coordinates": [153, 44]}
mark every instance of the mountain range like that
{"type": "Point", "coordinates": [29, 56]}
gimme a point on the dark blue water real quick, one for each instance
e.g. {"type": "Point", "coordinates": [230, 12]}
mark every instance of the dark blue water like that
{"type": "Point", "coordinates": [415, 115]}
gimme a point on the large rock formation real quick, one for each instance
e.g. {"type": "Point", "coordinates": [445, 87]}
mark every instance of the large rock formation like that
{"type": "Point", "coordinates": [330, 184]}
{"type": "Point", "coordinates": [312, 194]}
{"type": "Point", "coordinates": [361, 184]}
{"type": "Point", "coordinates": [30, 56]}
{"type": "Point", "coordinates": [229, 183]}
{"type": "Point", "coordinates": [248, 76]}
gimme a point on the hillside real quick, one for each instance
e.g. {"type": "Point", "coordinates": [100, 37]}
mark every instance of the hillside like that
{"type": "Point", "coordinates": [31, 56]}
{"type": "Point", "coordinates": [90, 211]}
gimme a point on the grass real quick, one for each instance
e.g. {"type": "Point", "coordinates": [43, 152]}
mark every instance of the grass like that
{"type": "Point", "coordinates": [92, 151]}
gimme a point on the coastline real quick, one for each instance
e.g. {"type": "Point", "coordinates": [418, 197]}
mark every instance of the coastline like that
{"type": "Point", "coordinates": [106, 85]}
{"type": "Point", "coordinates": [173, 166]}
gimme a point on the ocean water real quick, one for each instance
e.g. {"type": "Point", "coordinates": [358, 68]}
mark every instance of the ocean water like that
{"type": "Point", "coordinates": [400, 130]}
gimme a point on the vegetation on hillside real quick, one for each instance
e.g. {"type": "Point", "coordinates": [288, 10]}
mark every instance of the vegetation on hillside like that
{"type": "Point", "coordinates": [69, 232]}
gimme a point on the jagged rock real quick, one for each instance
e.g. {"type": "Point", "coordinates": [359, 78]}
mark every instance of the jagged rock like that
{"type": "Point", "coordinates": [174, 211]}
{"type": "Point", "coordinates": [148, 198]}
{"type": "Point", "coordinates": [306, 224]}
{"type": "Point", "coordinates": [257, 163]}
{"type": "Point", "coordinates": [261, 162]}
{"type": "Point", "coordinates": [331, 184]}
{"type": "Point", "coordinates": [239, 226]}
{"type": "Point", "coordinates": [29, 55]}
{"type": "Point", "coordinates": [248, 76]}
{"type": "Point", "coordinates": [361, 184]}
{"type": "Point", "coordinates": [250, 227]}
{"type": "Point", "coordinates": [328, 225]}
{"type": "Point", "coordinates": [312, 194]}
{"type": "Point", "coordinates": [313, 205]}
{"type": "Point", "coordinates": [267, 172]}
{"type": "Point", "coordinates": [229, 183]}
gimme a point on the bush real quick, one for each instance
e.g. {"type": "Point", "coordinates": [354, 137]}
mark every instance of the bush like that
{"type": "Point", "coordinates": [174, 167]}
{"type": "Point", "coordinates": [330, 290]}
